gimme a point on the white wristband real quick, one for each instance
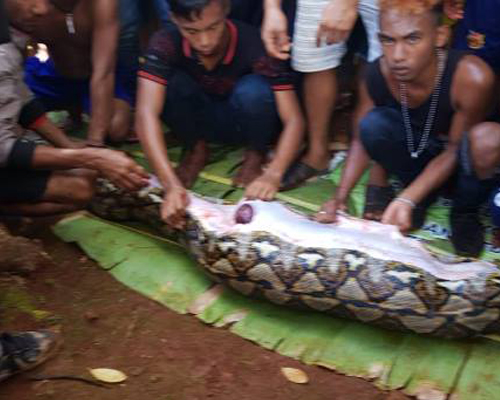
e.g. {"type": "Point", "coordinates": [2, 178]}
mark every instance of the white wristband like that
{"type": "Point", "coordinates": [406, 201]}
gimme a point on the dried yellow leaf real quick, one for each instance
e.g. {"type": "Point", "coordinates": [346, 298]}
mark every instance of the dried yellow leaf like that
{"type": "Point", "coordinates": [108, 375]}
{"type": "Point", "coordinates": [295, 375]}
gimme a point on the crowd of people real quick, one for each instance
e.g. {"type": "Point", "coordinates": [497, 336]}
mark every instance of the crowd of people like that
{"type": "Point", "coordinates": [259, 74]}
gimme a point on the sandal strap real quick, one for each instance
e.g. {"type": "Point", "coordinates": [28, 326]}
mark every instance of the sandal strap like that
{"type": "Point", "coordinates": [299, 173]}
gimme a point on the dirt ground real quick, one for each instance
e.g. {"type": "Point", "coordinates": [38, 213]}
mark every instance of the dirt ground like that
{"type": "Point", "coordinates": [166, 356]}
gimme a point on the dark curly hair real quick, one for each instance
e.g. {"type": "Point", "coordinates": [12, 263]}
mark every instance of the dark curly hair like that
{"type": "Point", "coordinates": [191, 9]}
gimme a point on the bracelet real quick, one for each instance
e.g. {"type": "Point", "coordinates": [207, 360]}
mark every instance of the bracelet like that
{"type": "Point", "coordinates": [406, 201]}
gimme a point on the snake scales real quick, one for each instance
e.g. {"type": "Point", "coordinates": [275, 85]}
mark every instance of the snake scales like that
{"type": "Point", "coordinates": [354, 269]}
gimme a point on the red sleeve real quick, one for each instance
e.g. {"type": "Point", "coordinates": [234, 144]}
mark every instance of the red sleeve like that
{"type": "Point", "coordinates": [279, 73]}
{"type": "Point", "coordinates": [160, 57]}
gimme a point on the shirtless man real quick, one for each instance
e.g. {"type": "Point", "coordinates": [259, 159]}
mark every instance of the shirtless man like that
{"type": "Point", "coordinates": [38, 179]}
{"type": "Point", "coordinates": [421, 109]}
{"type": "Point", "coordinates": [82, 39]}
{"type": "Point", "coordinates": [211, 80]}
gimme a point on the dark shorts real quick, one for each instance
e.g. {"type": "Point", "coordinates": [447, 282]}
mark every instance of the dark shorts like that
{"type": "Point", "coordinates": [22, 185]}
{"type": "Point", "coordinates": [55, 90]}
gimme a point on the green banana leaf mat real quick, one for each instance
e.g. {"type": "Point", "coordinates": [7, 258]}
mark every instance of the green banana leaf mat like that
{"type": "Point", "coordinates": [428, 368]}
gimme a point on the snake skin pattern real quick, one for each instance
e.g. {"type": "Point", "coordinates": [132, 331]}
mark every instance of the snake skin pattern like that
{"type": "Point", "coordinates": [366, 280]}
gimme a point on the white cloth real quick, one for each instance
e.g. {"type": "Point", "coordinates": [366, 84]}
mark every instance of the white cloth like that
{"type": "Point", "coordinates": [307, 57]}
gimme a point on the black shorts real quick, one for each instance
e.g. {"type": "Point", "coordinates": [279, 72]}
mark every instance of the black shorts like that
{"type": "Point", "coordinates": [22, 185]}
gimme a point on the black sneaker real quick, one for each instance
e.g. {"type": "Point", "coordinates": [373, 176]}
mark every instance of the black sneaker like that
{"type": "Point", "coordinates": [21, 352]}
{"type": "Point", "coordinates": [467, 233]}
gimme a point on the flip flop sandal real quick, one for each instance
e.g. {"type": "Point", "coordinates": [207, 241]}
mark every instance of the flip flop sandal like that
{"type": "Point", "coordinates": [132, 139]}
{"type": "Point", "coordinates": [377, 198]}
{"type": "Point", "coordinates": [299, 173]}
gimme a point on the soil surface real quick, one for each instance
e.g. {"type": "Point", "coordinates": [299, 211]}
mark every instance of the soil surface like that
{"type": "Point", "coordinates": [166, 356]}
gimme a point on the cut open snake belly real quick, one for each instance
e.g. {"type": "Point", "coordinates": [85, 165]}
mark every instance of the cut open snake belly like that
{"type": "Point", "coordinates": [355, 269]}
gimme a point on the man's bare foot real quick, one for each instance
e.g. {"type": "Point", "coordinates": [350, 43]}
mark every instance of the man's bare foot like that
{"type": "Point", "coordinates": [192, 163]}
{"type": "Point", "coordinates": [250, 169]}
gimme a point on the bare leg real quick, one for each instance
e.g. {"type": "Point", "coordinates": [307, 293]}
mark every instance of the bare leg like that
{"type": "Point", "coordinates": [121, 121]}
{"type": "Point", "coordinates": [74, 186]}
{"type": "Point", "coordinates": [192, 163]}
{"type": "Point", "coordinates": [250, 169]}
{"type": "Point", "coordinates": [320, 93]}
{"type": "Point", "coordinates": [378, 176]}
{"type": "Point", "coordinates": [485, 149]}
{"type": "Point", "coordinates": [66, 191]}
{"type": "Point", "coordinates": [37, 209]}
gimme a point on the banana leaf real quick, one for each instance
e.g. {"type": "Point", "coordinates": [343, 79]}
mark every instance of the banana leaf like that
{"type": "Point", "coordinates": [424, 367]}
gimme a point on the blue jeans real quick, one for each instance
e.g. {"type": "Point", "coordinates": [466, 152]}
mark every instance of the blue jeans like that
{"type": "Point", "coordinates": [132, 16]}
{"type": "Point", "coordinates": [383, 136]}
{"type": "Point", "coordinates": [248, 116]}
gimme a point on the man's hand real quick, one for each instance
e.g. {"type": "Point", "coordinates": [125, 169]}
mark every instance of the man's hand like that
{"type": "Point", "coordinates": [119, 169]}
{"type": "Point", "coordinates": [328, 213]}
{"type": "Point", "coordinates": [275, 34]}
{"type": "Point", "coordinates": [400, 214]}
{"type": "Point", "coordinates": [264, 187]}
{"type": "Point", "coordinates": [337, 22]}
{"type": "Point", "coordinates": [454, 9]}
{"type": "Point", "coordinates": [173, 208]}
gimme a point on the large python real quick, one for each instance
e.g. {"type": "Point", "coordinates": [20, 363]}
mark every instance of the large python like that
{"type": "Point", "coordinates": [354, 269]}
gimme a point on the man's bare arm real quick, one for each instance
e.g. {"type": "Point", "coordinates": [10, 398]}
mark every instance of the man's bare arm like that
{"type": "Point", "coordinates": [56, 135]}
{"type": "Point", "coordinates": [150, 102]}
{"type": "Point", "coordinates": [337, 22]}
{"type": "Point", "coordinates": [150, 99]}
{"type": "Point", "coordinates": [113, 165]}
{"type": "Point", "coordinates": [104, 48]}
{"type": "Point", "coordinates": [356, 164]}
{"type": "Point", "coordinates": [472, 95]}
{"type": "Point", "coordinates": [275, 30]}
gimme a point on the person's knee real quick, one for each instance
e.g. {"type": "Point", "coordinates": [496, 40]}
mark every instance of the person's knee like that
{"type": "Point", "coordinates": [75, 187]}
{"type": "Point", "coordinates": [374, 128]}
{"type": "Point", "coordinates": [253, 95]}
{"type": "Point", "coordinates": [484, 142]}
{"type": "Point", "coordinates": [83, 190]}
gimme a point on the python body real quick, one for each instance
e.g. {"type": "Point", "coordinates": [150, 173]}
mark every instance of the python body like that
{"type": "Point", "coordinates": [354, 269]}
